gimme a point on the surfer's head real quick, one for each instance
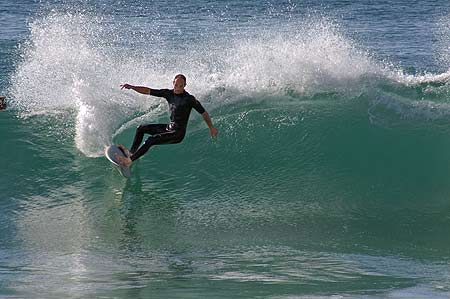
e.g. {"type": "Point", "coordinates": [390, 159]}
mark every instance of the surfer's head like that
{"type": "Point", "coordinates": [179, 82]}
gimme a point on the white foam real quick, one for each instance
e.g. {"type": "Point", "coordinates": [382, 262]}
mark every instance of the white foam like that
{"type": "Point", "coordinates": [65, 67]}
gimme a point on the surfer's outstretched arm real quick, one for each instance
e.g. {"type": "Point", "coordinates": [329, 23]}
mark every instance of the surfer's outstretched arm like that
{"type": "Point", "coordinates": [211, 127]}
{"type": "Point", "coordinates": [140, 89]}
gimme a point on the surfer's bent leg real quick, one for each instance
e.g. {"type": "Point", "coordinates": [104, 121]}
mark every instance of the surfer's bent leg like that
{"type": "Point", "coordinates": [151, 129]}
{"type": "Point", "coordinates": [168, 137]}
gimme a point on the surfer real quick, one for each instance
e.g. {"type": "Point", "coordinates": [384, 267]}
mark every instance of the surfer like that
{"type": "Point", "coordinates": [2, 103]}
{"type": "Point", "coordinates": [180, 106]}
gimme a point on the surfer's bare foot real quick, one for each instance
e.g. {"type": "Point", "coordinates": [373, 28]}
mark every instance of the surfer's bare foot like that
{"type": "Point", "coordinates": [124, 150]}
{"type": "Point", "coordinates": [124, 161]}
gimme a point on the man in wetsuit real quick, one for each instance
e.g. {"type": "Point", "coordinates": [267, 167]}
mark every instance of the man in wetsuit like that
{"type": "Point", "coordinates": [180, 106]}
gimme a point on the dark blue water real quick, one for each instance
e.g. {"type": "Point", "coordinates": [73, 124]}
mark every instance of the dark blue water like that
{"type": "Point", "coordinates": [329, 178]}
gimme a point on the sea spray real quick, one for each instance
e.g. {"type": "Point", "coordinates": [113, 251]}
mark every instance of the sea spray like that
{"type": "Point", "coordinates": [66, 66]}
{"type": "Point", "coordinates": [78, 61]}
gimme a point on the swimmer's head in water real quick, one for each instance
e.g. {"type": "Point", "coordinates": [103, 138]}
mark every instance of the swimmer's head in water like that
{"type": "Point", "coordinates": [2, 102]}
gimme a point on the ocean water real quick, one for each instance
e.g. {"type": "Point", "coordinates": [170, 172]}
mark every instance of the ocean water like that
{"type": "Point", "coordinates": [330, 177]}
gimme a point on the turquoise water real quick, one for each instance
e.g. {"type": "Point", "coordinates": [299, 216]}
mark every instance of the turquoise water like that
{"type": "Point", "coordinates": [329, 178]}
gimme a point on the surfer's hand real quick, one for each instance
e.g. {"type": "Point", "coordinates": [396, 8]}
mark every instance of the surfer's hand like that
{"type": "Point", "coordinates": [126, 86]}
{"type": "Point", "coordinates": [214, 132]}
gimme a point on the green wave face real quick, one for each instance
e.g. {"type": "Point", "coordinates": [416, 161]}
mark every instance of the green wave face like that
{"type": "Point", "coordinates": [332, 169]}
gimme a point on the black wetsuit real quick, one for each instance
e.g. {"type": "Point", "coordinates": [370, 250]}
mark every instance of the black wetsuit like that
{"type": "Point", "coordinates": [180, 106]}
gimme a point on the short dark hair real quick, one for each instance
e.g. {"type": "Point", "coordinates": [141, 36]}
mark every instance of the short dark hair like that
{"type": "Point", "coordinates": [180, 76]}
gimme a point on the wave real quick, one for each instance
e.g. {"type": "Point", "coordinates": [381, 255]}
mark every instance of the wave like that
{"type": "Point", "coordinates": [319, 141]}
{"type": "Point", "coordinates": [328, 160]}
{"type": "Point", "coordinates": [76, 61]}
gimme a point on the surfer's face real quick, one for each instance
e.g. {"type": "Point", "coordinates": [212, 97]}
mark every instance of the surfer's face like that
{"type": "Point", "coordinates": [178, 85]}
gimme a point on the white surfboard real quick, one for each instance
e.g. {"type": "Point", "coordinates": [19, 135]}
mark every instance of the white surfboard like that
{"type": "Point", "coordinates": [110, 153]}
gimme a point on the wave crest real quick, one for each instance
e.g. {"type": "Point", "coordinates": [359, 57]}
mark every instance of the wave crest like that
{"type": "Point", "coordinates": [77, 61]}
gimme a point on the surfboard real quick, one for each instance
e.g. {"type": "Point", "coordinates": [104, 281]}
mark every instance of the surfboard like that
{"type": "Point", "coordinates": [110, 153]}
